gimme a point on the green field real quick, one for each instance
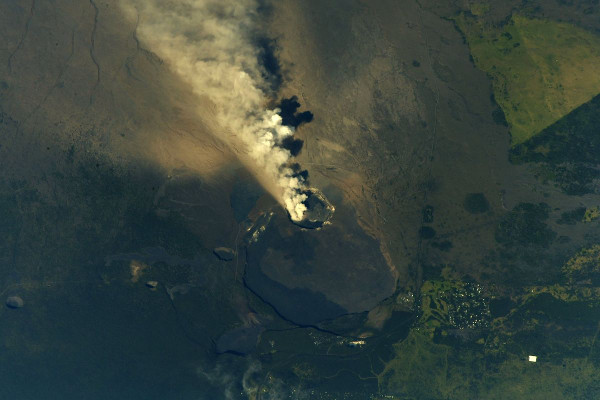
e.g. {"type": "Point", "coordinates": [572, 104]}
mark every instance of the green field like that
{"type": "Point", "coordinates": [423, 369]}
{"type": "Point", "coordinates": [473, 342]}
{"type": "Point", "coordinates": [540, 69]}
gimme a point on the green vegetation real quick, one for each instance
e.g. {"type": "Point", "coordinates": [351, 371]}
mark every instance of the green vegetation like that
{"type": "Point", "coordinates": [568, 151]}
{"type": "Point", "coordinates": [524, 225]}
{"type": "Point", "coordinates": [541, 70]}
{"type": "Point", "coordinates": [469, 342]}
{"type": "Point", "coordinates": [573, 138]}
{"type": "Point", "coordinates": [591, 214]}
{"type": "Point", "coordinates": [479, 8]}
{"type": "Point", "coordinates": [585, 265]}
{"type": "Point", "coordinates": [453, 304]}
{"type": "Point", "coordinates": [423, 369]}
{"type": "Point", "coordinates": [558, 324]}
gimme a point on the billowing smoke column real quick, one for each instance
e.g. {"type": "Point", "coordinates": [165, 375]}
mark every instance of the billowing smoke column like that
{"type": "Point", "coordinates": [211, 45]}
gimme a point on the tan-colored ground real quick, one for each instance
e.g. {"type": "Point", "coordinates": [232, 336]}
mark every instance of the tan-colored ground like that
{"type": "Point", "coordinates": [78, 81]}
{"type": "Point", "coordinates": [381, 79]}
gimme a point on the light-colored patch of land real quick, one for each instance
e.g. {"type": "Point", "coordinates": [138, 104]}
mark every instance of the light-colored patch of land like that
{"type": "Point", "coordinates": [136, 269]}
{"type": "Point", "coordinates": [540, 69]}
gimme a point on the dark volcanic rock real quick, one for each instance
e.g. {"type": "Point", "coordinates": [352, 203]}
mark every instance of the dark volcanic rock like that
{"type": "Point", "coordinates": [476, 203]}
{"type": "Point", "coordinates": [14, 302]}
{"type": "Point", "coordinates": [152, 284]}
{"type": "Point", "coordinates": [244, 194]}
{"type": "Point", "coordinates": [240, 340]}
{"type": "Point", "coordinates": [312, 275]}
{"type": "Point", "coordinates": [224, 253]}
{"type": "Point", "coordinates": [426, 232]}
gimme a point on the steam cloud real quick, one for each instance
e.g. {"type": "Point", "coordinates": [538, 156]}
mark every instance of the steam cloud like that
{"type": "Point", "coordinates": [211, 45]}
{"type": "Point", "coordinates": [231, 380]}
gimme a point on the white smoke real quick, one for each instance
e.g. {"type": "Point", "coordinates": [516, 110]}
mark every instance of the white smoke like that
{"type": "Point", "coordinates": [210, 45]}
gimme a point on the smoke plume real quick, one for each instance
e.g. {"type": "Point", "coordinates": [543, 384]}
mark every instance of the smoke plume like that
{"type": "Point", "coordinates": [212, 46]}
